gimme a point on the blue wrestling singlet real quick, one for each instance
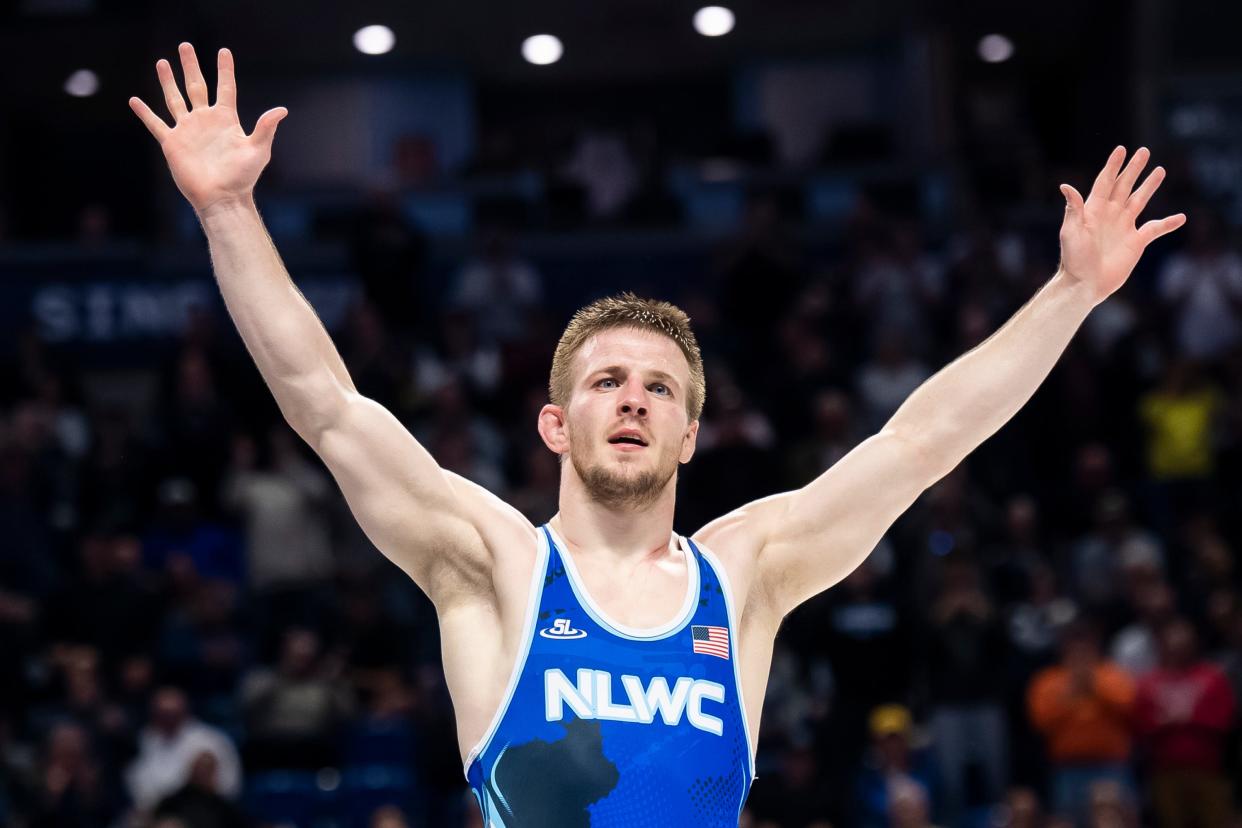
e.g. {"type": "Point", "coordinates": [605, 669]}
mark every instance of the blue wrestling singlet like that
{"type": "Point", "coordinates": [609, 726]}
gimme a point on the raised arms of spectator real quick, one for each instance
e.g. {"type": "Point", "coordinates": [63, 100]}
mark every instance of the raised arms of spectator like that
{"type": "Point", "coordinates": [415, 512]}
{"type": "Point", "coordinates": [811, 538]}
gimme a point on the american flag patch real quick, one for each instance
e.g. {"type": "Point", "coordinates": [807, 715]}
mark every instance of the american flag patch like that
{"type": "Point", "coordinates": [711, 640]}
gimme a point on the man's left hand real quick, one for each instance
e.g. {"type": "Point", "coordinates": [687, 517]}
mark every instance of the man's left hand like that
{"type": "Point", "coordinates": [1100, 244]}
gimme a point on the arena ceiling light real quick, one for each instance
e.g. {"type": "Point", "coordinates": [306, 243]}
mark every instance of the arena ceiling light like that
{"type": "Point", "coordinates": [713, 21]}
{"type": "Point", "coordinates": [374, 40]}
{"type": "Point", "coordinates": [995, 48]}
{"type": "Point", "coordinates": [542, 49]}
{"type": "Point", "coordinates": [82, 83]}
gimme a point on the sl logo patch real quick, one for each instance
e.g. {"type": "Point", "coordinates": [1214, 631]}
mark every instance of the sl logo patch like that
{"type": "Point", "coordinates": [562, 628]}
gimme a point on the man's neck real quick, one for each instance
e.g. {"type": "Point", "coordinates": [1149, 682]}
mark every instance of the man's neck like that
{"type": "Point", "coordinates": [612, 533]}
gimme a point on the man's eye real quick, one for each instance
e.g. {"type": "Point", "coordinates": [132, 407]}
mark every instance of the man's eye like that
{"type": "Point", "coordinates": [659, 388]}
{"type": "Point", "coordinates": [607, 379]}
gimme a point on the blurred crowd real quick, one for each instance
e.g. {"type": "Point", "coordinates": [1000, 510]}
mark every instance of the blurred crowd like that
{"type": "Point", "coordinates": [196, 633]}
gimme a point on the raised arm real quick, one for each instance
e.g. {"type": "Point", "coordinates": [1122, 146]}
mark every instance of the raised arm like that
{"type": "Point", "coordinates": [809, 539]}
{"type": "Point", "coordinates": [416, 513]}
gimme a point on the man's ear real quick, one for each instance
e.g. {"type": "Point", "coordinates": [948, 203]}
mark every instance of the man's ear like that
{"type": "Point", "coordinates": [553, 428]}
{"type": "Point", "coordinates": [689, 442]}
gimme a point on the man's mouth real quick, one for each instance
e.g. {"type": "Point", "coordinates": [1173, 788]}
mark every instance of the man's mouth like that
{"type": "Point", "coordinates": [627, 438]}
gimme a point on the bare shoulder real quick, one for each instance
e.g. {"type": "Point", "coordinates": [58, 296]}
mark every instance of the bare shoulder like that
{"type": "Point", "coordinates": [454, 538]}
{"type": "Point", "coordinates": [503, 536]}
{"type": "Point", "coordinates": [737, 539]}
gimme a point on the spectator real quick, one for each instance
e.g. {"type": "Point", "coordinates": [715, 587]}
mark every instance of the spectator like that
{"type": "Point", "coordinates": [52, 438]}
{"type": "Point", "coordinates": [117, 472]}
{"type": "Point", "coordinates": [457, 353]}
{"type": "Point", "coordinates": [1222, 606]}
{"type": "Point", "coordinates": [497, 288]}
{"type": "Point", "coordinates": [168, 747]}
{"type": "Point", "coordinates": [1096, 558]}
{"type": "Point", "coordinates": [461, 438]}
{"type": "Point", "coordinates": [68, 421]}
{"type": "Point", "coordinates": [376, 356]}
{"type": "Point", "coordinates": [1083, 707]}
{"type": "Point", "coordinates": [79, 696]}
{"type": "Point", "coordinates": [809, 367]}
{"type": "Point", "coordinates": [1209, 556]}
{"type": "Point", "coordinates": [72, 790]}
{"type": "Point", "coordinates": [1180, 415]}
{"type": "Point", "coordinates": [952, 518]}
{"type": "Point", "coordinates": [833, 434]}
{"type": "Point", "coordinates": [965, 643]}
{"type": "Point", "coordinates": [133, 688]}
{"type": "Point", "coordinates": [106, 603]}
{"type": "Point", "coordinates": [1034, 626]}
{"type": "Point", "coordinates": [1184, 711]}
{"type": "Point", "coordinates": [1021, 809]}
{"type": "Point", "coordinates": [861, 631]}
{"type": "Point", "coordinates": [294, 713]}
{"type": "Point", "coordinates": [1035, 621]}
{"type": "Point", "coordinates": [888, 378]}
{"type": "Point", "coordinates": [289, 552]}
{"type": "Point", "coordinates": [734, 461]}
{"type": "Point", "coordinates": [1111, 805]}
{"type": "Point", "coordinates": [910, 807]}
{"type": "Point", "coordinates": [1076, 501]}
{"type": "Point", "coordinates": [182, 536]}
{"type": "Point", "coordinates": [1182, 418]}
{"type": "Point", "coordinates": [898, 285]}
{"type": "Point", "coordinates": [604, 166]}
{"type": "Point", "coordinates": [52, 462]}
{"type": "Point", "coordinates": [389, 816]}
{"type": "Point", "coordinates": [194, 424]}
{"type": "Point", "coordinates": [891, 761]}
{"type": "Point", "coordinates": [199, 803]}
{"type": "Point", "coordinates": [201, 645]}
{"type": "Point", "coordinates": [1202, 288]}
{"type": "Point", "coordinates": [1014, 560]}
{"type": "Point", "coordinates": [1135, 649]}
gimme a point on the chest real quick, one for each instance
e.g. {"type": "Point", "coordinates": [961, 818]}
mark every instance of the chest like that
{"type": "Point", "coordinates": [648, 596]}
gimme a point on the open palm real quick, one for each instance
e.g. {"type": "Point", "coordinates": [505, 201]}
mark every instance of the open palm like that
{"type": "Point", "coordinates": [213, 161]}
{"type": "Point", "coordinates": [1100, 244]}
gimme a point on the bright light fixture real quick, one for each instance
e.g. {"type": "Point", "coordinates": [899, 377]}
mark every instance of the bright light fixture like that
{"type": "Point", "coordinates": [713, 21]}
{"type": "Point", "coordinates": [374, 40]}
{"type": "Point", "coordinates": [542, 49]}
{"type": "Point", "coordinates": [82, 83]}
{"type": "Point", "coordinates": [995, 48]}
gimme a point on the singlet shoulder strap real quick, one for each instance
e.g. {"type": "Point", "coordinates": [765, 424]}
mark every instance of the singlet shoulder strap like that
{"type": "Point", "coordinates": [720, 594]}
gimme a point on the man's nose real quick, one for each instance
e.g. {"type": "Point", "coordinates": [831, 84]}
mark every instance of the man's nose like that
{"type": "Point", "coordinates": [634, 401]}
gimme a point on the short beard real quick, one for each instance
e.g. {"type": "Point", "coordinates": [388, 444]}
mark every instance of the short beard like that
{"type": "Point", "coordinates": [619, 492]}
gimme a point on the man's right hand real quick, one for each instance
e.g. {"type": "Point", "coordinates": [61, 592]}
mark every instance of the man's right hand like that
{"type": "Point", "coordinates": [213, 161]}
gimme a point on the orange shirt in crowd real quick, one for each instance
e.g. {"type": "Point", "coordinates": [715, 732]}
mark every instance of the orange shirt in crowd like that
{"type": "Point", "coordinates": [1083, 727]}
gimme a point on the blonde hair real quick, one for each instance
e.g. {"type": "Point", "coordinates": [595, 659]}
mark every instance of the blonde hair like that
{"type": "Point", "coordinates": [627, 311]}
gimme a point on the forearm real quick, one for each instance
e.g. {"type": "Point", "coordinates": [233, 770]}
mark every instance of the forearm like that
{"type": "Point", "coordinates": [966, 402]}
{"type": "Point", "coordinates": [285, 338]}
